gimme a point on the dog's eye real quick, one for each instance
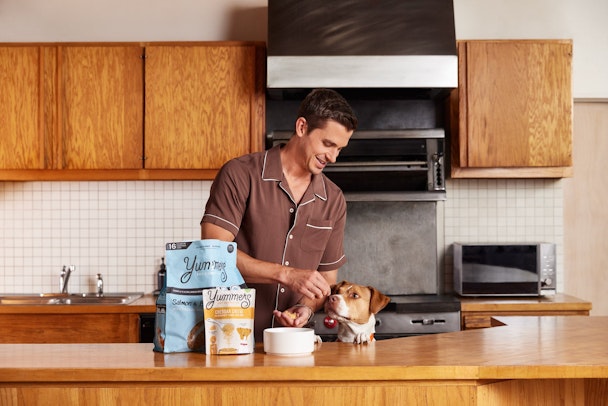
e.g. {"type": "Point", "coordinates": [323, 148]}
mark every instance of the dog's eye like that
{"type": "Point", "coordinates": [355, 295]}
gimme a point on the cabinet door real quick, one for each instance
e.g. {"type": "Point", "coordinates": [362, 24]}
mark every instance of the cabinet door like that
{"type": "Point", "coordinates": [23, 103]}
{"type": "Point", "coordinates": [101, 105]}
{"type": "Point", "coordinates": [515, 104]}
{"type": "Point", "coordinates": [70, 328]}
{"type": "Point", "coordinates": [199, 104]}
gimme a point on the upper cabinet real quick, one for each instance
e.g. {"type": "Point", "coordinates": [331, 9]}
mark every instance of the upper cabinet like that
{"type": "Point", "coordinates": [200, 105]}
{"type": "Point", "coordinates": [22, 106]}
{"type": "Point", "coordinates": [100, 107]}
{"type": "Point", "coordinates": [512, 112]}
{"type": "Point", "coordinates": [128, 111]}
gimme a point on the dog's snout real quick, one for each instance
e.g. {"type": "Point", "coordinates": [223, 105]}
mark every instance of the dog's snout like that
{"type": "Point", "coordinates": [332, 298]}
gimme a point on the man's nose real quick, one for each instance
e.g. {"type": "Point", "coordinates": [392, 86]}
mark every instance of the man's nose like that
{"type": "Point", "coordinates": [333, 155]}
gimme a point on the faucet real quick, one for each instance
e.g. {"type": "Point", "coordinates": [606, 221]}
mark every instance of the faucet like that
{"type": "Point", "coordinates": [65, 277]}
{"type": "Point", "coordinates": [99, 285]}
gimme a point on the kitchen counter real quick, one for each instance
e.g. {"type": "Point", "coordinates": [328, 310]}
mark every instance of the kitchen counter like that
{"type": "Point", "coordinates": [478, 312]}
{"type": "Point", "coordinates": [145, 304]}
{"type": "Point", "coordinates": [542, 360]}
{"type": "Point", "coordinates": [558, 302]}
{"type": "Point", "coordinates": [75, 323]}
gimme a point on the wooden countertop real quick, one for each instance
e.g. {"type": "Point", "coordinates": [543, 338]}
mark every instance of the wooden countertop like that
{"type": "Point", "coordinates": [145, 304]}
{"type": "Point", "coordinates": [525, 348]}
{"type": "Point", "coordinates": [557, 302]}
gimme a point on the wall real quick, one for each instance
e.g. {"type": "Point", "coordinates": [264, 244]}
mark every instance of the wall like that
{"type": "Point", "coordinates": [585, 197]}
{"type": "Point", "coordinates": [118, 229]}
{"type": "Point", "coordinates": [48, 224]}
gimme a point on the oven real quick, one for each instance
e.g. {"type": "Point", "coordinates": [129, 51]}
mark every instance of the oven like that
{"type": "Point", "coordinates": [396, 154]}
{"type": "Point", "coordinates": [405, 316]}
{"type": "Point", "coordinates": [387, 164]}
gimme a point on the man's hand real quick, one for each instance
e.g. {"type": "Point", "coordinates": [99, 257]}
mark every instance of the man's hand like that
{"type": "Point", "coordinates": [295, 316]}
{"type": "Point", "coordinates": [311, 284]}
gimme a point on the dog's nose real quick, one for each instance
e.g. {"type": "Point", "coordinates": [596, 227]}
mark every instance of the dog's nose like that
{"type": "Point", "coordinates": [332, 298]}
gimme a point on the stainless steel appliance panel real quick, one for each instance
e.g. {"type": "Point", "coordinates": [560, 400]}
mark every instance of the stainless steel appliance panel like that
{"type": "Point", "coordinates": [355, 43]}
{"type": "Point", "coordinates": [392, 246]}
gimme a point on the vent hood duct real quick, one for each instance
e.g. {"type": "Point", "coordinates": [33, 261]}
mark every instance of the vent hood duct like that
{"type": "Point", "coordinates": [361, 44]}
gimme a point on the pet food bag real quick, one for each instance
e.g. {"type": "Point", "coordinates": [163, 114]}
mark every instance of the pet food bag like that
{"type": "Point", "coordinates": [229, 320]}
{"type": "Point", "coordinates": [191, 267]}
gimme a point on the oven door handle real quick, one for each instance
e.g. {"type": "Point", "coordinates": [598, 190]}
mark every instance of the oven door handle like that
{"type": "Point", "coordinates": [428, 322]}
{"type": "Point", "coordinates": [378, 166]}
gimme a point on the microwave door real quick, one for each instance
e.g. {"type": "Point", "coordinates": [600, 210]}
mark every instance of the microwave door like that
{"type": "Point", "coordinates": [483, 279]}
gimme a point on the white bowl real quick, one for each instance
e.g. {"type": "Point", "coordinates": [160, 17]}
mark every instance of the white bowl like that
{"type": "Point", "coordinates": [289, 341]}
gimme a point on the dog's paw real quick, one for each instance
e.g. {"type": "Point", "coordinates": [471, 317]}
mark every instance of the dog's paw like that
{"type": "Point", "coordinates": [361, 338]}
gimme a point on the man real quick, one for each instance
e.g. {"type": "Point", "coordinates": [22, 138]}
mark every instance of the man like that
{"type": "Point", "coordinates": [286, 217]}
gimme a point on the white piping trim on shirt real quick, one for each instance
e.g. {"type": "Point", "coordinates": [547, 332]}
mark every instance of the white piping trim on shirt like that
{"type": "Point", "coordinates": [319, 227]}
{"type": "Point", "coordinates": [331, 263]}
{"type": "Point", "coordinates": [324, 190]}
{"type": "Point", "coordinates": [306, 202]}
{"type": "Point", "coordinates": [224, 220]}
{"type": "Point", "coordinates": [264, 169]}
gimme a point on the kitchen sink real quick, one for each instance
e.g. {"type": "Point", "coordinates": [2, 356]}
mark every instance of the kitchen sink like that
{"type": "Point", "coordinates": [69, 298]}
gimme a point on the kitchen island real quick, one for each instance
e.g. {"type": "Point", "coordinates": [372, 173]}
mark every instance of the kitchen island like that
{"type": "Point", "coordinates": [529, 360]}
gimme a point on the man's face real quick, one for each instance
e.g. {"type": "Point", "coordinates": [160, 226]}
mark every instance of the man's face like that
{"type": "Point", "coordinates": [324, 145]}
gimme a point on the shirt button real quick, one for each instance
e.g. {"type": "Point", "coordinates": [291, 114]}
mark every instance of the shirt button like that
{"type": "Point", "coordinates": [291, 210]}
{"type": "Point", "coordinates": [282, 290]}
{"type": "Point", "coordinates": [287, 263]}
{"type": "Point", "coordinates": [291, 236]}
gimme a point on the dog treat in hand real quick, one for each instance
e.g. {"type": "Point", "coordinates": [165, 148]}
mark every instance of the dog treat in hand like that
{"type": "Point", "coordinates": [290, 314]}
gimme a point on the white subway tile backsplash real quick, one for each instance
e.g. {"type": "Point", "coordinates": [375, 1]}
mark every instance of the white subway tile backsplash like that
{"type": "Point", "coordinates": [119, 228]}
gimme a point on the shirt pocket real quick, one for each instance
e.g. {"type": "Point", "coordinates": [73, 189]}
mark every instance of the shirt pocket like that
{"type": "Point", "coordinates": [316, 235]}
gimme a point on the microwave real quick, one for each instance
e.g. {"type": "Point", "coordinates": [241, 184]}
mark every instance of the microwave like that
{"type": "Point", "coordinates": [511, 269]}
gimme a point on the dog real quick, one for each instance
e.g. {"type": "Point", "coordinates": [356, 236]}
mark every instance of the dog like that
{"type": "Point", "coordinates": [353, 307]}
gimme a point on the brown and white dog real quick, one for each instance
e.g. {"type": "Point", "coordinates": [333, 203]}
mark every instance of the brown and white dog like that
{"type": "Point", "coordinates": [353, 307]}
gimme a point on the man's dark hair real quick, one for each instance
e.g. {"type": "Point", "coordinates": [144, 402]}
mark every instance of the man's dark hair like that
{"type": "Point", "coordinates": [321, 105]}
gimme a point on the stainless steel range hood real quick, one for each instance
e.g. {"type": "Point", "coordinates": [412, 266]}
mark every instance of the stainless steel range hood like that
{"type": "Point", "coordinates": [361, 44]}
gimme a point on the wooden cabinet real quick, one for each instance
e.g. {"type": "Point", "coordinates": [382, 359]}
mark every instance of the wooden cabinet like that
{"type": "Point", "coordinates": [100, 107]}
{"type": "Point", "coordinates": [71, 107]}
{"type": "Point", "coordinates": [479, 313]}
{"type": "Point", "coordinates": [512, 112]}
{"type": "Point", "coordinates": [70, 328]}
{"type": "Point", "coordinates": [128, 111]}
{"type": "Point", "coordinates": [23, 102]}
{"type": "Point", "coordinates": [200, 105]}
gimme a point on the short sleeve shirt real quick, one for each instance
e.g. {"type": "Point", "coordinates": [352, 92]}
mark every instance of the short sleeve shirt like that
{"type": "Point", "coordinates": [251, 199]}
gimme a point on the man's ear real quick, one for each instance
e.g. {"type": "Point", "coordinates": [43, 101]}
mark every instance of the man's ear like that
{"type": "Point", "coordinates": [301, 126]}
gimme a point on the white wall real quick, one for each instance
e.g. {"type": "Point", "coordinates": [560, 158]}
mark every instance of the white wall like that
{"type": "Point", "coordinates": [196, 20]}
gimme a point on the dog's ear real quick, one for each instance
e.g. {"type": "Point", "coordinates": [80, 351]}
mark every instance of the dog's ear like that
{"type": "Point", "coordinates": [334, 288]}
{"type": "Point", "coordinates": [378, 300]}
